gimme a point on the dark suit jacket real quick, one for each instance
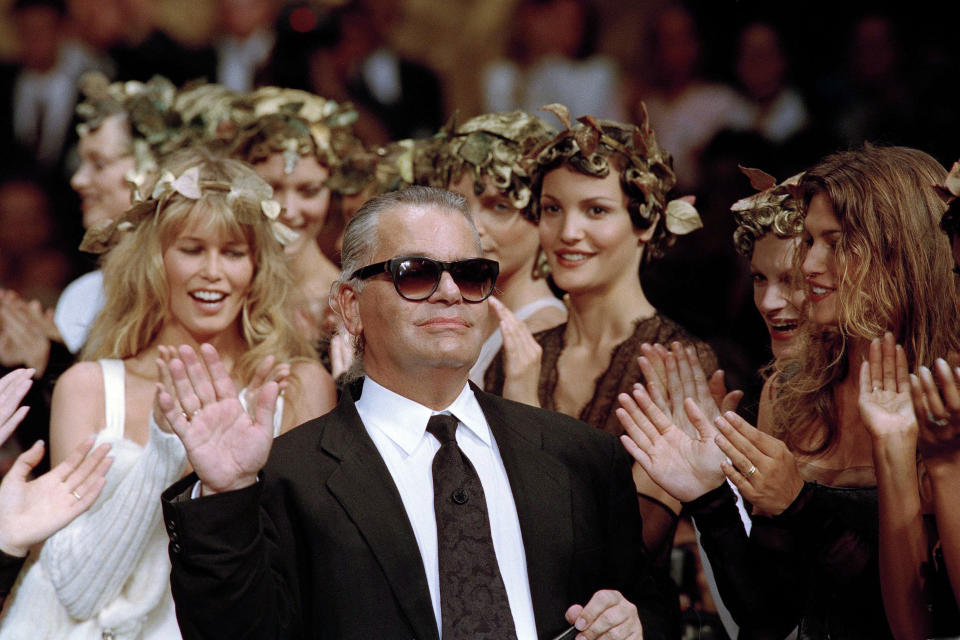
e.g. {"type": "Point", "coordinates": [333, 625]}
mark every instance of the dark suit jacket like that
{"type": "Point", "coordinates": [321, 547]}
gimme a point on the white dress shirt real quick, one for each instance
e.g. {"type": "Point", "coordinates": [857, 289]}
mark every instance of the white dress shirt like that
{"type": "Point", "coordinates": [398, 428]}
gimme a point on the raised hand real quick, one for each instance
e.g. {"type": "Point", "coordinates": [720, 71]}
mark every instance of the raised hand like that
{"type": "Point", "coordinates": [885, 404]}
{"type": "Point", "coordinates": [760, 466]}
{"type": "Point", "coordinates": [936, 403]}
{"type": "Point", "coordinates": [685, 467]}
{"type": "Point", "coordinates": [33, 510]}
{"type": "Point", "coordinates": [521, 357]}
{"type": "Point", "coordinates": [226, 446]}
{"type": "Point", "coordinates": [676, 374]}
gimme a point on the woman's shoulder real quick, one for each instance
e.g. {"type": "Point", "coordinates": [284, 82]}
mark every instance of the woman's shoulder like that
{"type": "Point", "coordinates": [83, 377]}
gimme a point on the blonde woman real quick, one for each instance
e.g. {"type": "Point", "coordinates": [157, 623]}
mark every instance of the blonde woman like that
{"type": "Point", "coordinates": [198, 263]}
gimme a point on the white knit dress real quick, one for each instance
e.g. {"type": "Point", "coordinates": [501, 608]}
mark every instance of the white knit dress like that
{"type": "Point", "coordinates": [106, 576]}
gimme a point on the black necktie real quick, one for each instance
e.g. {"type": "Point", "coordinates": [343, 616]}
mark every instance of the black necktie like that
{"type": "Point", "coordinates": [473, 600]}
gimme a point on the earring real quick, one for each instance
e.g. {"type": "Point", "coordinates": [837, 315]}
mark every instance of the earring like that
{"type": "Point", "coordinates": [541, 268]}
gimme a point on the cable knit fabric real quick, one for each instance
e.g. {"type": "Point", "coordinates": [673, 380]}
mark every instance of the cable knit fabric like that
{"type": "Point", "coordinates": [107, 573]}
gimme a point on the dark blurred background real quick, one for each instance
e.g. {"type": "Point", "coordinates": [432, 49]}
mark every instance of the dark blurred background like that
{"type": "Point", "coordinates": [764, 84]}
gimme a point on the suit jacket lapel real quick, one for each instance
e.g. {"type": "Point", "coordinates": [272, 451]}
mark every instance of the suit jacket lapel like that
{"type": "Point", "coordinates": [541, 490]}
{"type": "Point", "coordinates": [365, 489]}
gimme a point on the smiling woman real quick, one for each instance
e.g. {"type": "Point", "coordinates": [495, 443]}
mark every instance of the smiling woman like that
{"type": "Point", "coordinates": [295, 141]}
{"type": "Point", "coordinates": [200, 261]}
{"type": "Point", "coordinates": [599, 193]}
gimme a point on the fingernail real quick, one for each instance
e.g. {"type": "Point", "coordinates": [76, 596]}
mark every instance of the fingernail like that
{"type": "Point", "coordinates": [581, 624]}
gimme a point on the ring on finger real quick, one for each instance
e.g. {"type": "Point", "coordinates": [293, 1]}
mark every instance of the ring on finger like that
{"type": "Point", "coordinates": [940, 422]}
{"type": "Point", "coordinates": [76, 495]}
{"type": "Point", "coordinates": [752, 470]}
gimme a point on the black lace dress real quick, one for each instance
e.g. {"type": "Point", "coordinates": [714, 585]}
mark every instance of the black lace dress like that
{"type": "Point", "coordinates": [814, 566]}
{"type": "Point", "coordinates": [622, 372]}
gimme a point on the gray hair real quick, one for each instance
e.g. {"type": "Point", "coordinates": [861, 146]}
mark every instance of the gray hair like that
{"type": "Point", "coordinates": [361, 239]}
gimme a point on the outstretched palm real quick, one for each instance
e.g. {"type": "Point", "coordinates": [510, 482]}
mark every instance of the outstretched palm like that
{"type": "Point", "coordinates": [226, 446]}
{"type": "Point", "coordinates": [886, 406]}
{"type": "Point", "coordinates": [685, 467]}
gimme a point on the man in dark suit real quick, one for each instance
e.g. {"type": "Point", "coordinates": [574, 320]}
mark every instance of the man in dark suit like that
{"type": "Point", "coordinates": [332, 533]}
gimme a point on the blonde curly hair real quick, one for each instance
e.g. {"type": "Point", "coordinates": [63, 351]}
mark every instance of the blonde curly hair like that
{"type": "Point", "coordinates": [135, 282]}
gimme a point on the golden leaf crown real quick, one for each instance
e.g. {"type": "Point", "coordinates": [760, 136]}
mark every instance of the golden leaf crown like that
{"type": "Point", "coordinates": [774, 208]}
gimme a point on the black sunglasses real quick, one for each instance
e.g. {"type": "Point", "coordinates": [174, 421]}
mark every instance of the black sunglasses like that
{"type": "Point", "coordinates": [416, 278]}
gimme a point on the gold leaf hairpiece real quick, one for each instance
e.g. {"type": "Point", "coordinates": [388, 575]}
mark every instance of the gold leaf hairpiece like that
{"type": "Point", "coordinates": [104, 235]}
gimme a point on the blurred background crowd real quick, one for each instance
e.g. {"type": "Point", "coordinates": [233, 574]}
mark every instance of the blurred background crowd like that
{"type": "Point", "coordinates": [761, 84]}
{"type": "Point", "coordinates": [771, 85]}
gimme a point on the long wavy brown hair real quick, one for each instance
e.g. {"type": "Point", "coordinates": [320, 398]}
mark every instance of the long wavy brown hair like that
{"type": "Point", "coordinates": [135, 283]}
{"type": "Point", "coordinates": [894, 274]}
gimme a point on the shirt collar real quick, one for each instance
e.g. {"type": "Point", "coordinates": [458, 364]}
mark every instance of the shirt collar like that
{"type": "Point", "coordinates": [404, 421]}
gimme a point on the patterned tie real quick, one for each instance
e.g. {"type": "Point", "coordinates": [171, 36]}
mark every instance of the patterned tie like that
{"type": "Point", "coordinates": [473, 600]}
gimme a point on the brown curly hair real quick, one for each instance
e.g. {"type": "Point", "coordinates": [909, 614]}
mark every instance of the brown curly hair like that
{"type": "Point", "coordinates": [895, 274]}
{"type": "Point", "coordinates": [592, 147]}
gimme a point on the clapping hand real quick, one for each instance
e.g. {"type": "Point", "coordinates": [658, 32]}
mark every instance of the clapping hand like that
{"type": "Point", "coordinates": [521, 357]}
{"type": "Point", "coordinates": [759, 465]}
{"type": "Point", "coordinates": [885, 404]}
{"type": "Point", "coordinates": [226, 446]}
{"type": "Point", "coordinates": [936, 403]}
{"type": "Point", "coordinates": [33, 510]}
{"type": "Point", "coordinates": [686, 467]}
{"type": "Point", "coordinates": [13, 387]}
{"type": "Point", "coordinates": [674, 375]}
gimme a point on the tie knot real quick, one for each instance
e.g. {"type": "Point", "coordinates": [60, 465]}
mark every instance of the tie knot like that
{"type": "Point", "coordinates": [443, 427]}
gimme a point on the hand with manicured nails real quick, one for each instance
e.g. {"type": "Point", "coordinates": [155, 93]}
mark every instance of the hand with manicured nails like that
{"type": "Point", "coordinates": [936, 402]}
{"type": "Point", "coordinates": [885, 403]}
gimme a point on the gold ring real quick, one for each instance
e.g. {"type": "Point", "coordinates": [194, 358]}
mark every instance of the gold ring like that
{"type": "Point", "coordinates": [76, 495]}
{"type": "Point", "coordinates": [752, 470]}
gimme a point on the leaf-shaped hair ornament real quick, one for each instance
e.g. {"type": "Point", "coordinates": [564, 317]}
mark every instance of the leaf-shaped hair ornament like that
{"type": "Point", "coordinates": [774, 209]}
{"type": "Point", "coordinates": [682, 217]}
{"type": "Point", "coordinates": [559, 110]}
{"type": "Point", "coordinates": [646, 175]}
{"type": "Point", "coordinates": [240, 194]}
{"type": "Point", "coordinates": [950, 189]}
{"type": "Point", "coordinates": [491, 148]}
{"type": "Point", "coordinates": [293, 123]}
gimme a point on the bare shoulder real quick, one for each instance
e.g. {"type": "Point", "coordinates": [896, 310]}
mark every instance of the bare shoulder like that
{"type": "Point", "coordinates": [312, 394]}
{"type": "Point", "coordinates": [81, 378]}
{"type": "Point", "coordinates": [77, 408]}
